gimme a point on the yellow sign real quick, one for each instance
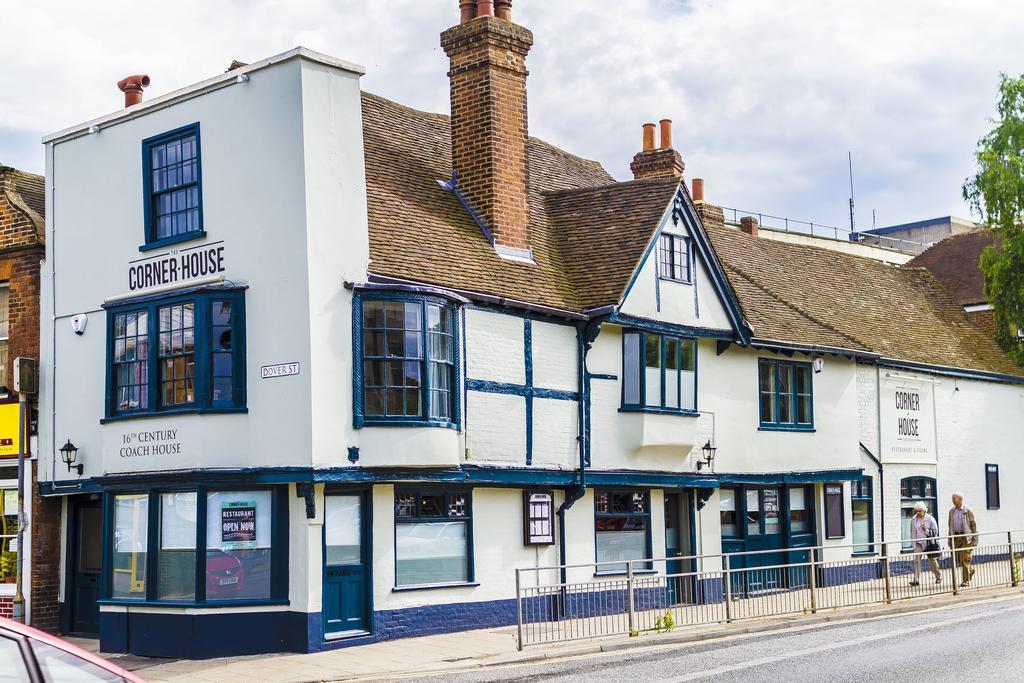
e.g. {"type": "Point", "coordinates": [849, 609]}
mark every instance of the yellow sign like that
{"type": "Point", "coordinates": [9, 437]}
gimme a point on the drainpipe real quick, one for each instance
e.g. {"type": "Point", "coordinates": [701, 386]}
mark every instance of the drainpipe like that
{"type": "Point", "coordinates": [881, 471]}
{"type": "Point", "coordinates": [586, 333]}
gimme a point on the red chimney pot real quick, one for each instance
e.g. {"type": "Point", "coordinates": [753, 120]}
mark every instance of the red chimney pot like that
{"type": "Point", "coordinates": [648, 137]}
{"type": "Point", "coordinates": [485, 8]}
{"type": "Point", "coordinates": [698, 190]}
{"type": "Point", "coordinates": [132, 87]}
{"type": "Point", "coordinates": [666, 133]}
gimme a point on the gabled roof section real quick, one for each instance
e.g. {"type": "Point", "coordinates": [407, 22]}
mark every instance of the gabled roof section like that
{"type": "Point", "coordinates": [605, 232]}
{"type": "Point", "coordinates": [807, 295]}
{"type": "Point", "coordinates": [954, 262]}
{"type": "Point", "coordinates": [27, 192]}
{"type": "Point", "coordinates": [420, 232]}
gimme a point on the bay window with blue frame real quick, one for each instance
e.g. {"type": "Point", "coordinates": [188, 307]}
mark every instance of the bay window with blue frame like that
{"type": "Point", "coordinates": [659, 373]}
{"type": "Point", "coordinates": [433, 537]}
{"type": "Point", "coordinates": [172, 187]}
{"type": "Point", "coordinates": [183, 352]}
{"type": "Point", "coordinates": [406, 369]}
{"type": "Point", "coordinates": [197, 545]}
{"type": "Point", "coordinates": [785, 395]}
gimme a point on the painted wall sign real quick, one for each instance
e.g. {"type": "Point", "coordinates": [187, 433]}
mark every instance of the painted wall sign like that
{"type": "Point", "coordinates": [279, 370]}
{"type": "Point", "coordinates": [539, 517]}
{"type": "Point", "coordinates": [154, 442]}
{"type": "Point", "coordinates": [9, 438]}
{"type": "Point", "coordinates": [238, 525]}
{"type": "Point", "coordinates": [908, 420]}
{"type": "Point", "coordinates": [177, 266]}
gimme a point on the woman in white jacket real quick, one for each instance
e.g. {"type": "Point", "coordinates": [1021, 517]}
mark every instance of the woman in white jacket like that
{"type": "Point", "coordinates": [922, 528]}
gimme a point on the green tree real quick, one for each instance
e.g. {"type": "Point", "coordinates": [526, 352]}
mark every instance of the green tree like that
{"type": "Point", "coordinates": [996, 194]}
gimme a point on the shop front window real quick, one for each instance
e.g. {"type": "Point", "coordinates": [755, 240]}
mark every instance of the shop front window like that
{"type": "Point", "coordinates": [432, 537]}
{"type": "Point", "coordinates": [177, 559]}
{"type": "Point", "coordinates": [237, 562]}
{"type": "Point", "coordinates": [862, 502]}
{"type": "Point", "coordinates": [238, 546]}
{"type": "Point", "coordinates": [622, 529]}
{"type": "Point", "coordinates": [131, 533]}
{"type": "Point", "coordinates": [8, 530]}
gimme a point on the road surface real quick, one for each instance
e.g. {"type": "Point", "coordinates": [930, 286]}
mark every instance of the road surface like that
{"type": "Point", "coordinates": [974, 642]}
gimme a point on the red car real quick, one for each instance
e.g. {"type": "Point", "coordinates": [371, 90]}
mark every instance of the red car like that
{"type": "Point", "coordinates": [225, 576]}
{"type": "Point", "coordinates": [27, 654]}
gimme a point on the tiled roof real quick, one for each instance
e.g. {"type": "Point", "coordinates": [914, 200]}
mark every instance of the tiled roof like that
{"type": "Point", "coordinates": [31, 187]}
{"type": "Point", "coordinates": [420, 232]}
{"type": "Point", "coordinates": [808, 295]}
{"type": "Point", "coordinates": [954, 262]}
{"type": "Point", "coordinates": [588, 234]}
{"type": "Point", "coordinates": [604, 231]}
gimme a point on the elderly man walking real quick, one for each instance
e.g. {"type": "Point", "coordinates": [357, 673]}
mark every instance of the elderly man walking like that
{"type": "Point", "coordinates": [964, 530]}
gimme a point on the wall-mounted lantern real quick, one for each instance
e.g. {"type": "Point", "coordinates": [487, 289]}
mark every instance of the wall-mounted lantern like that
{"type": "Point", "coordinates": [709, 456]}
{"type": "Point", "coordinates": [69, 453]}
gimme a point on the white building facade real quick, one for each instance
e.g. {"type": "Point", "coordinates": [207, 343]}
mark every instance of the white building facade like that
{"type": "Point", "coordinates": [319, 398]}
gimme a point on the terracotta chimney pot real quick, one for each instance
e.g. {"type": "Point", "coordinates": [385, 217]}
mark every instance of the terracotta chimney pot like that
{"type": "Point", "coordinates": [467, 10]}
{"type": "Point", "coordinates": [485, 8]}
{"type": "Point", "coordinates": [648, 137]}
{"type": "Point", "coordinates": [132, 87]}
{"type": "Point", "coordinates": [698, 190]}
{"type": "Point", "coordinates": [503, 9]}
{"type": "Point", "coordinates": [666, 133]}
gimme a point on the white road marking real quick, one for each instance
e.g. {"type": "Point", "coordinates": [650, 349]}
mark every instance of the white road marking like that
{"type": "Point", "coordinates": [707, 673]}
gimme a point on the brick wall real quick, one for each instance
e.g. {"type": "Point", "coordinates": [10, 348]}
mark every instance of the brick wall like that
{"type": "Point", "coordinates": [6, 607]}
{"type": "Point", "coordinates": [46, 540]}
{"type": "Point", "coordinates": [21, 250]}
{"type": "Point", "coordinates": [489, 122]}
{"type": "Point", "coordinates": [986, 320]}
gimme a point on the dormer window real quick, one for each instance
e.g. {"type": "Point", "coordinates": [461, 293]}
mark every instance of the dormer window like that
{"type": "Point", "coordinates": [173, 192]}
{"type": "Point", "coordinates": [674, 258]}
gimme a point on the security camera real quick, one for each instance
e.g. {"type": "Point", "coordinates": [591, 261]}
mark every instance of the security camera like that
{"type": "Point", "coordinates": [819, 364]}
{"type": "Point", "coordinates": [78, 323]}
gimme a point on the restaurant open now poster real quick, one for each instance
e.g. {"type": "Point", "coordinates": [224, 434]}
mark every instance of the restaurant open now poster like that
{"type": "Point", "coordinates": [238, 525]}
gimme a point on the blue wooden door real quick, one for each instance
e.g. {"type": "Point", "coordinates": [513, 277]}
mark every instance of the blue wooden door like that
{"type": "Point", "coordinates": [345, 559]}
{"type": "Point", "coordinates": [84, 578]}
{"type": "Point", "coordinates": [764, 532]}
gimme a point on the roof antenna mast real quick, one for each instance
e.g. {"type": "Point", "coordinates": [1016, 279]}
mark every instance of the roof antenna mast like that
{"type": "Point", "coordinates": [849, 156]}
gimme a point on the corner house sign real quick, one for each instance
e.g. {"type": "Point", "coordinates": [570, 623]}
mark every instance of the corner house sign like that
{"type": "Point", "coordinates": [908, 420]}
{"type": "Point", "coordinates": [177, 266]}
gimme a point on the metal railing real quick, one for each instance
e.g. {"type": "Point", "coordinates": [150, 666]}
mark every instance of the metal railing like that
{"type": "Point", "coordinates": [783, 224]}
{"type": "Point", "coordinates": [632, 596]}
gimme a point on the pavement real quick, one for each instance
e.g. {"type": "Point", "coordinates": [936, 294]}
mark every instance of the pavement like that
{"type": "Point", "coordinates": [490, 654]}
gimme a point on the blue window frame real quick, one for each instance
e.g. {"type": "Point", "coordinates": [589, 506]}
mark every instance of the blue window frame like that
{"type": "Point", "coordinates": [196, 545]}
{"type": "Point", "coordinates": [406, 369]}
{"type": "Point", "coordinates": [862, 501]}
{"type": "Point", "coordinates": [433, 537]}
{"type": "Point", "coordinates": [786, 397]}
{"type": "Point", "coordinates": [622, 530]}
{"type": "Point", "coordinates": [674, 260]}
{"type": "Point", "coordinates": [992, 486]}
{"type": "Point", "coordinates": [659, 373]}
{"type": "Point", "coordinates": [172, 187]}
{"type": "Point", "coordinates": [178, 353]}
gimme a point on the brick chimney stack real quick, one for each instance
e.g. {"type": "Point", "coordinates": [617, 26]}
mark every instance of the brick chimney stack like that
{"type": "Point", "coordinates": [487, 54]}
{"type": "Point", "coordinates": [748, 224]}
{"type": "Point", "coordinates": [660, 162]}
{"type": "Point", "coordinates": [709, 214]}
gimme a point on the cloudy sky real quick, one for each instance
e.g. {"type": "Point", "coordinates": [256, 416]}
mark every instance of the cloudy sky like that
{"type": "Point", "coordinates": [767, 96]}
